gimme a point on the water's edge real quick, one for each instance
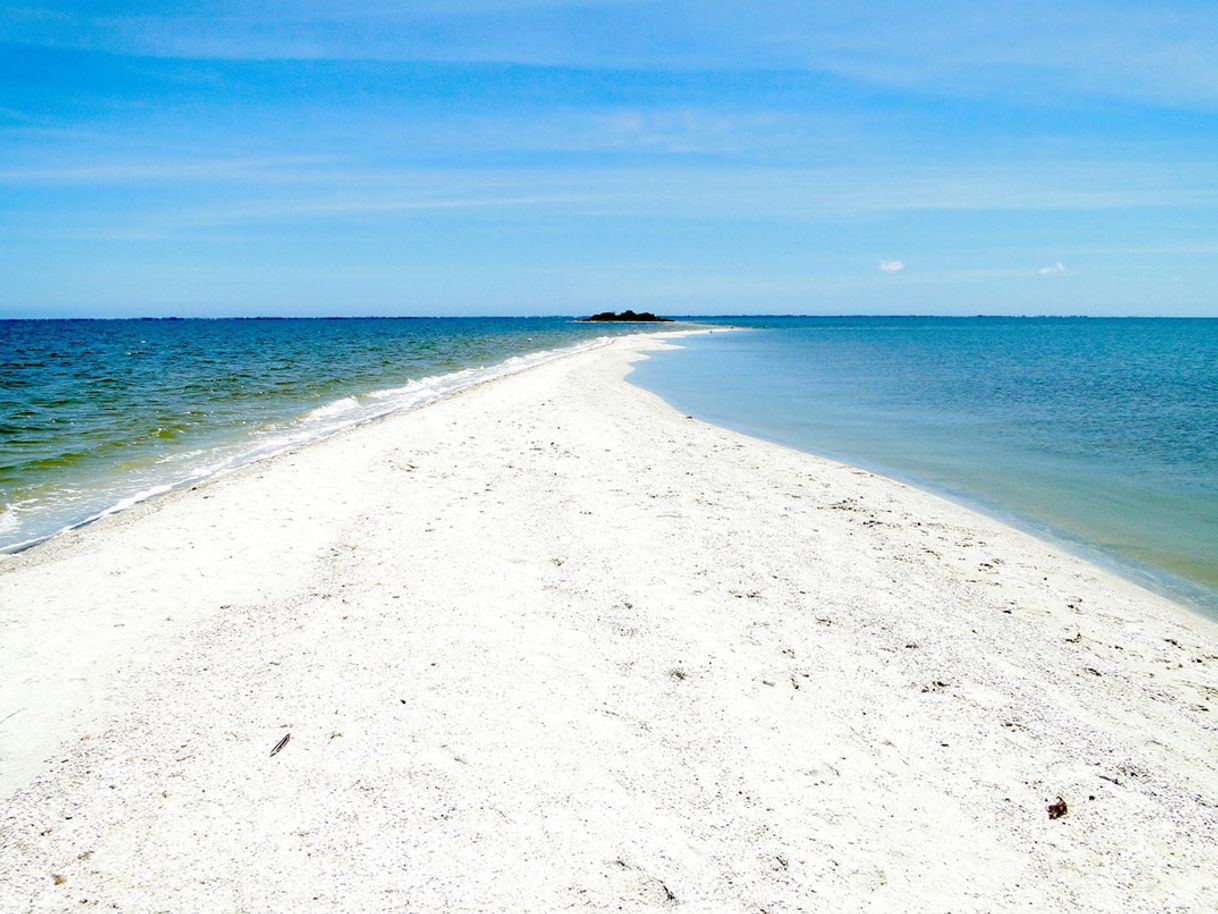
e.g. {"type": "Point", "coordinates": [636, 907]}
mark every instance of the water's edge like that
{"type": "Point", "coordinates": [1193, 597]}
{"type": "Point", "coordinates": [407, 398]}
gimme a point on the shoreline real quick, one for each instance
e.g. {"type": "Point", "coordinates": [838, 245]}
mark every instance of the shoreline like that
{"type": "Point", "coordinates": [255, 453]}
{"type": "Point", "coordinates": [1188, 594]}
{"type": "Point", "coordinates": [1121, 488]}
{"type": "Point", "coordinates": [546, 643]}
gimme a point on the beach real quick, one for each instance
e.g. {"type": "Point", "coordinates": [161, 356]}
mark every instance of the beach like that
{"type": "Point", "coordinates": [549, 644]}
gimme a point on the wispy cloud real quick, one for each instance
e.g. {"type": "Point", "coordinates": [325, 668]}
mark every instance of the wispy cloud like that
{"type": "Point", "coordinates": [892, 266]}
{"type": "Point", "coordinates": [672, 186]}
{"type": "Point", "coordinates": [12, 114]}
{"type": "Point", "coordinates": [355, 207]}
{"type": "Point", "coordinates": [1054, 270]}
{"type": "Point", "coordinates": [228, 170]}
{"type": "Point", "coordinates": [188, 221]}
{"type": "Point", "coordinates": [1161, 51]}
{"type": "Point", "coordinates": [179, 199]}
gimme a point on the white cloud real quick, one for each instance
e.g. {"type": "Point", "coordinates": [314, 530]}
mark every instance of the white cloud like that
{"type": "Point", "coordinates": [892, 266]}
{"type": "Point", "coordinates": [1057, 268]}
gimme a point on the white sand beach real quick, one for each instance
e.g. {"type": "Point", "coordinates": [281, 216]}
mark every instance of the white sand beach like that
{"type": "Point", "coordinates": [550, 645]}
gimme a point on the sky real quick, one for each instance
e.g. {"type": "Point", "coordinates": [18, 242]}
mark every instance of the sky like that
{"type": "Point", "coordinates": [295, 157]}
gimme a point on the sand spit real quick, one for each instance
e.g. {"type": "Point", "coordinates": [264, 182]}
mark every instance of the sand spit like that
{"type": "Point", "coordinates": [549, 645]}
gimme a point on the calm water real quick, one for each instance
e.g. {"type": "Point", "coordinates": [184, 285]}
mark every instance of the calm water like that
{"type": "Point", "coordinates": [1100, 433]}
{"type": "Point", "coordinates": [96, 415]}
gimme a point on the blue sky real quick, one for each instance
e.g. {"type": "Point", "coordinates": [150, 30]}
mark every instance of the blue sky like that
{"type": "Point", "coordinates": [490, 157]}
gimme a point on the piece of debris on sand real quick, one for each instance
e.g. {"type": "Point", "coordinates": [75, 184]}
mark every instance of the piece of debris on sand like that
{"type": "Point", "coordinates": [1058, 809]}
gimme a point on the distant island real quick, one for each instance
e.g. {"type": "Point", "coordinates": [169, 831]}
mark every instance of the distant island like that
{"type": "Point", "coordinates": [606, 316]}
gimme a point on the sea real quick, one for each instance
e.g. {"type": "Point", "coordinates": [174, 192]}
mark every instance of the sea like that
{"type": "Point", "coordinates": [99, 415]}
{"type": "Point", "coordinates": [1098, 434]}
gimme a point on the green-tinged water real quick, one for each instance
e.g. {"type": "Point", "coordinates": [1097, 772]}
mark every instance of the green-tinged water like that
{"type": "Point", "coordinates": [1102, 434]}
{"type": "Point", "coordinates": [97, 415]}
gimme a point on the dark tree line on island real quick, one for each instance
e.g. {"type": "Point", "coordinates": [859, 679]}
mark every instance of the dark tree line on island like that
{"type": "Point", "coordinates": [645, 316]}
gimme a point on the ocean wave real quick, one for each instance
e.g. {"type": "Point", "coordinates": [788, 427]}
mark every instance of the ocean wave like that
{"type": "Point", "coordinates": [330, 410]}
{"type": "Point", "coordinates": [129, 501]}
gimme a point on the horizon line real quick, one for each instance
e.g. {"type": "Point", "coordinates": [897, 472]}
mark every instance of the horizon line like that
{"type": "Point", "coordinates": [578, 315]}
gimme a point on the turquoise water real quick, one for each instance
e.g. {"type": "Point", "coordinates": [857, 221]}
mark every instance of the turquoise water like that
{"type": "Point", "coordinates": [98, 415]}
{"type": "Point", "coordinates": [1102, 434]}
